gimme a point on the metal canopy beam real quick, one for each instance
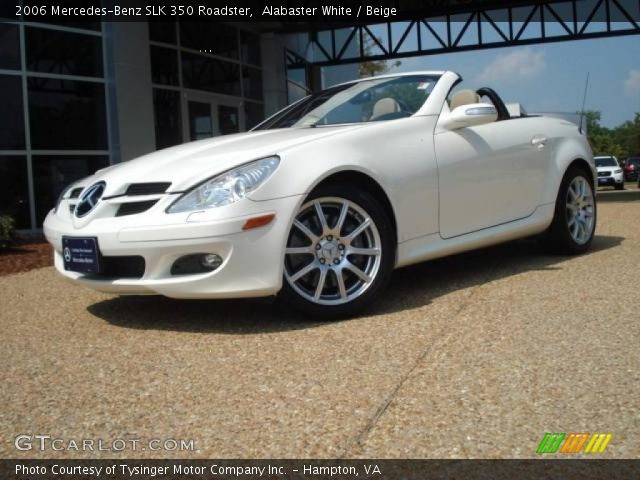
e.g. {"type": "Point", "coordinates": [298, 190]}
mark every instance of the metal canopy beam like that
{"type": "Point", "coordinates": [474, 29]}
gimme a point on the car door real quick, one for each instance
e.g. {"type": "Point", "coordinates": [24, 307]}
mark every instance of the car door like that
{"type": "Point", "coordinates": [489, 174]}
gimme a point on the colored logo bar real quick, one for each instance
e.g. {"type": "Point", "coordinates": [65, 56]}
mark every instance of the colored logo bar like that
{"type": "Point", "coordinates": [573, 443]}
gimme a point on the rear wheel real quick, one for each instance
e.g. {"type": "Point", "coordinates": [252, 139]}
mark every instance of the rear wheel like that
{"type": "Point", "coordinates": [574, 221]}
{"type": "Point", "coordinates": [340, 253]}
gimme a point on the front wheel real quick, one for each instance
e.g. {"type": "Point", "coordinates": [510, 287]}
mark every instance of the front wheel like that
{"type": "Point", "coordinates": [339, 254]}
{"type": "Point", "coordinates": [574, 221]}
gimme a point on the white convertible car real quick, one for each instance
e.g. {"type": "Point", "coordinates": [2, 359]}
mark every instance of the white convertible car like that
{"type": "Point", "coordinates": [321, 201]}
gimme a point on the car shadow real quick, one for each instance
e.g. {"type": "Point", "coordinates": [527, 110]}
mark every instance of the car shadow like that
{"type": "Point", "coordinates": [411, 287]}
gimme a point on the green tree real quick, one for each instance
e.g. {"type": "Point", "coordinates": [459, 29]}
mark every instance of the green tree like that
{"type": "Point", "coordinates": [621, 141]}
{"type": "Point", "coordinates": [377, 67]}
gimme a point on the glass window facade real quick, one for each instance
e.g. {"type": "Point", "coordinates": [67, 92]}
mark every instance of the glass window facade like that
{"type": "Point", "coordinates": [9, 46]}
{"type": "Point", "coordinates": [54, 116]}
{"type": "Point", "coordinates": [14, 189]}
{"type": "Point", "coordinates": [12, 118]}
{"type": "Point", "coordinates": [203, 57]}
{"type": "Point", "coordinates": [168, 120]}
{"type": "Point", "coordinates": [164, 66]}
{"type": "Point", "coordinates": [200, 72]}
{"type": "Point", "coordinates": [67, 114]}
{"type": "Point", "coordinates": [63, 53]}
{"type": "Point", "coordinates": [57, 104]}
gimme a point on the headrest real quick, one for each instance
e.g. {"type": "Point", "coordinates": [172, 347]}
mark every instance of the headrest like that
{"type": "Point", "coordinates": [464, 97]}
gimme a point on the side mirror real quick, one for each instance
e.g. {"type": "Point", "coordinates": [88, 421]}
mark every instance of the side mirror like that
{"type": "Point", "coordinates": [470, 115]}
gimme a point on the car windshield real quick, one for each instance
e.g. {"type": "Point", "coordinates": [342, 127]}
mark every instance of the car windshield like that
{"type": "Point", "coordinates": [375, 100]}
{"type": "Point", "coordinates": [605, 162]}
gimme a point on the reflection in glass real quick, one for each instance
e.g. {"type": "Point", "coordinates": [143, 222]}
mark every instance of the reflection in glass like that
{"type": "Point", "coordinates": [67, 114]}
{"type": "Point", "coordinates": [14, 189]}
{"type": "Point", "coordinates": [253, 114]}
{"type": "Point", "coordinates": [205, 73]}
{"type": "Point", "coordinates": [200, 121]}
{"type": "Point", "coordinates": [164, 65]}
{"type": "Point", "coordinates": [12, 117]}
{"type": "Point", "coordinates": [168, 121]}
{"type": "Point", "coordinates": [228, 121]}
{"type": "Point", "coordinates": [162, 32]}
{"type": "Point", "coordinates": [9, 47]}
{"type": "Point", "coordinates": [252, 82]}
{"type": "Point", "coordinates": [65, 53]}
{"type": "Point", "coordinates": [250, 48]}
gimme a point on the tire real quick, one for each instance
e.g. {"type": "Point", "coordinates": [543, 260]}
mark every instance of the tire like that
{"type": "Point", "coordinates": [563, 236]}
{"type": "Point", "coordinates": [324, 252]}
{"type": "Point", "coordinates": [620, 187]}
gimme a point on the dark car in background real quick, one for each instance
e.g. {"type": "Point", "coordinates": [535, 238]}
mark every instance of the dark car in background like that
{"type": "Point", "coordinates": [632, 169]}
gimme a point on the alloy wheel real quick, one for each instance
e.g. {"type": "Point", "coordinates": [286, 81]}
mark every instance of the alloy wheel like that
{"type": "Point", "coordinates": [333, 252]}
{"type": "Point", "coordinates": [580, 210]}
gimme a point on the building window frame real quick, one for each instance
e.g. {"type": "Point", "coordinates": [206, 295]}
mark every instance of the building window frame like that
{"type": "Point", "coordinates": [186, 93]}
{"type": "Point", "coordinates": [24, 74]}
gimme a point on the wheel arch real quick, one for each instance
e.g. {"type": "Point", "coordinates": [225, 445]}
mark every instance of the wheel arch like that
{"type": "Point", "coordinates": [367, 183]}
{"type": "Point", "coordinates": [583, 165]}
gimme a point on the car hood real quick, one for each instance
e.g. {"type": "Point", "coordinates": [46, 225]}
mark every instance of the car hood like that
{"type": "Point", "coordinates": [190, 163]}
{"type": "Point", "coordinates": [606, 169]}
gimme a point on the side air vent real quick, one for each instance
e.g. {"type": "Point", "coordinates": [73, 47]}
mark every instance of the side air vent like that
{"type": "Point", "coordinates": [134, 207]}
{"type": "Point", "coordinates": [75, 193]}
{"type": "Point", "coordinates": [147, 188]}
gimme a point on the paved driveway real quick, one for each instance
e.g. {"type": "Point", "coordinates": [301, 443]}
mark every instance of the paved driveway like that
{"type": "Point", "coordinates": [473, 356]}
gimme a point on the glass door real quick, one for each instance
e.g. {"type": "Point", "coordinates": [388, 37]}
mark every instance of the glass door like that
{"type": "Point", "coordinates": [210, 116]}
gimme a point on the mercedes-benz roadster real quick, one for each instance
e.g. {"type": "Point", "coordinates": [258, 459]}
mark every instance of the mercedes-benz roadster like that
{"type": "Point", "coordinates": [320, 202]}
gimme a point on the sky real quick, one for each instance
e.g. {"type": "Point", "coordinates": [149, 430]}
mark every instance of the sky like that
{"type": "Point", "coordinates": [551, 77]}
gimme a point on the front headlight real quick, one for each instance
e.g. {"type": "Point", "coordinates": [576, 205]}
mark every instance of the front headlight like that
{"type": "Point", "coordinates": [226, 188]}
{"type": "Point", "coordinates": [617, 170]}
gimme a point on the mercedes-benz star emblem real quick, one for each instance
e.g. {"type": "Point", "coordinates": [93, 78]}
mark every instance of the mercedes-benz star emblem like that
{"type": "Point", "coordinates": [89, 199]}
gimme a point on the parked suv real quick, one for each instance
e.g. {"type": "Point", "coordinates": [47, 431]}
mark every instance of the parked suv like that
{"type": "Point", "coordinates": [609, 172]}
{"type": "Point", "coordinates": [632, 169]}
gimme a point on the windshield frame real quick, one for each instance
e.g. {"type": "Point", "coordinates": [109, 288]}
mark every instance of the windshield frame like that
{"type": "Point", "coordinates": [606, 158]}
{"type": "Point", "coordinates": [271, 122]}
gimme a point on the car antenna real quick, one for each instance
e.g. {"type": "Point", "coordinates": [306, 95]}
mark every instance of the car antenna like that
{"type": "Point", "coordinates": [584, 101]}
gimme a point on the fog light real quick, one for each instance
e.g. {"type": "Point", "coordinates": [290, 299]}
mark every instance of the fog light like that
{"type": "Point", "coordinates": [196, 263]}
{"type": "Point", "coordinates": [211, 260]}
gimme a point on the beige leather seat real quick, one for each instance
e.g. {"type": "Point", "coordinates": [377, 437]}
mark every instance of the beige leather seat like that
{"type": "Point", "coordinates": [464, 97]}
{"type": "Point", "coordinates": [384, 106]}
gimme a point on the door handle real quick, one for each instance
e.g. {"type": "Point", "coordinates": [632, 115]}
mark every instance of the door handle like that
{"type": "Point", "coordinates": [538, 141]}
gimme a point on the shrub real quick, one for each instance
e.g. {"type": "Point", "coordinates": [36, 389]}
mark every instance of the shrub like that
{"type": "Point", "coordinates": [7, 231]}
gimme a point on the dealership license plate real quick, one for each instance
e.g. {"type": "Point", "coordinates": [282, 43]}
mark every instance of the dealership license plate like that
{"type": "Point", "coordinates": [81, 254]}
{"type": "Point", "coordinates": [602, 180]}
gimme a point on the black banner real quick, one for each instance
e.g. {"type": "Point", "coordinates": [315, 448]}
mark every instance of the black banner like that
{"type": "Point", "coordinates": [319, 12]}
{"type": "Point", "coordinates": [117, 469]}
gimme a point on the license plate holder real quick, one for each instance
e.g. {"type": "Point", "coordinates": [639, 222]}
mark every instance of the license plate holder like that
{"type": "Point", "coordinates": [81, 254]}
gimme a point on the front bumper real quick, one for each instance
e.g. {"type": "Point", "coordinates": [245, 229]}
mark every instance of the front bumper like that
{"type": "Point", "coordinates": [252, 259]}
{"type": "Point", "coordinates": [611, 181]}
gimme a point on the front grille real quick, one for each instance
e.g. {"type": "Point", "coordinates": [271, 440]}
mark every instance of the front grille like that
{"type": "Point", "coordinates": [604, 174]}
{"type": "Point", "coordinates": [130, 266]}
{"type": "Point", "coordinates": [147, 188]}
{"type": "Point", "coordinates": [75, 193]}
{"type": "Point", "coordinates": [134, 207]}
